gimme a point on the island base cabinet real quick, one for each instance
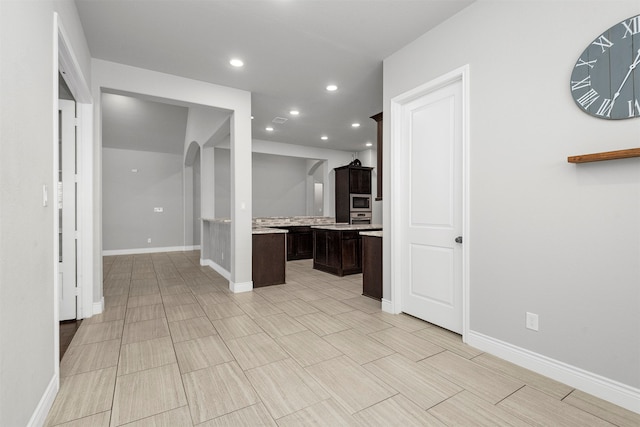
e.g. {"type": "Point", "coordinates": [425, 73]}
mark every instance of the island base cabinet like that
{"type": "Point", "coordinates": [269, 259]}
{"type": "Point", "coordinates": [337, 252]}
{"type": "Point", "coordinates": [299, 243]}
{"type": "Point", "coordinates": [372, 267]}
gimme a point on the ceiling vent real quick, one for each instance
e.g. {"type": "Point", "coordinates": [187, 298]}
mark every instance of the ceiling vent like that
{"type": "Point", "coordinates": [279, 120]}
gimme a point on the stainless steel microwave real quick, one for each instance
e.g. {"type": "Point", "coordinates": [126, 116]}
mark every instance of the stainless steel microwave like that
{"type": "Point", "coordinates": [360, 203]}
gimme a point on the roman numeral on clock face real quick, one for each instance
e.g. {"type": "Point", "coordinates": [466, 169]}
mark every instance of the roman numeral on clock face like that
{"type": "Point", "coordinates": [634, 108]}
{"type": "Point", "coordinates": [588, 98]}
{"type": "Point", "coordinates": [579, 84]}
{"type": "Point", "coordinates": [603, 42]}
{"type": "Point", "coordinates": [581, 62]}
{"type": "Point", "coordinates": [631, 27]}
{"type": "Point", "coordinates": [605, 108]}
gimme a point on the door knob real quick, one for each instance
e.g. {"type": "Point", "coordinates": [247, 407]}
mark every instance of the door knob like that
{"type": "Point", "coordinates": [459, 239]}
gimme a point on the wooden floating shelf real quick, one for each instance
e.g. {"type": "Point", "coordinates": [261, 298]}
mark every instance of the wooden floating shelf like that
{"type": "Point", "coordinates": [607, 155]}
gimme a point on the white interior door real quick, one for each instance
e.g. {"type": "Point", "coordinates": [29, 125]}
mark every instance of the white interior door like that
{"type": "Point", "coordinates": [432, 208]}
{"type": "Point", "coordinates": [67, 224]}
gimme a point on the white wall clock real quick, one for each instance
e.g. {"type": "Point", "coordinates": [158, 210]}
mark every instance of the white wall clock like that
{"type": "Point", "coordinates": [605, 81]}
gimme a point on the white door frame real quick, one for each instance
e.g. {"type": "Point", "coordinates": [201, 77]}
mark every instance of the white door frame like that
{"type": "Point", "coordinates": [68, 65]}
{"type": "Point", "coordinates": [399, 188]}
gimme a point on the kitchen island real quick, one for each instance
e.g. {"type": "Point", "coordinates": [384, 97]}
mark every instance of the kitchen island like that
{"type": "Point", "coordinates": [337, 248]}
{"type": "Point", "coordinates": [372, 264]}
{"type": "Point", "coordinates": [300, 236]}
{"type": "Point", "coordinates": [269, 256]}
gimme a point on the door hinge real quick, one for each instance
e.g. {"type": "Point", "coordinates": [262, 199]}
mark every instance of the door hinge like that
{"type": "Point", "coordinates": [59, 195]}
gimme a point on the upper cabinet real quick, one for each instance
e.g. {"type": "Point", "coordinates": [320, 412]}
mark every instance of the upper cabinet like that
{"type": "Point", "coordinates": [378, 119]}
{"type": "Point", "coordinates": [359, 180]}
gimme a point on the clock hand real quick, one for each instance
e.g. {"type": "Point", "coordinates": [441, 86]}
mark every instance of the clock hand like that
{"type": "Point", "coordinates": [631, 68]}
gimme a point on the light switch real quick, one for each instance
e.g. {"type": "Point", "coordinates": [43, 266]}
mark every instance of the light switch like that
{"type": "Point", "coordinates": [158, 209]}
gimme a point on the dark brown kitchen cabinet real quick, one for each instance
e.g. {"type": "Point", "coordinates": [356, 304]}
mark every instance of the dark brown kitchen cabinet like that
{"type": "Point", "coordinates": [372, 267]}
{"type": "Point", "coordinates": [360, 180]}
{"type": "Point", "coordinates": [299, 242]}
{"type": "Point", "coordinates": [337, 252]}
{"type": "Point", "coordinates": [378, 119]}
{"type": "Point", "coordinates": [354, 179]}
{"type": "Point", "coordinates": [268, 260]}
{"type": "Point", "coordinates": [350, 180]}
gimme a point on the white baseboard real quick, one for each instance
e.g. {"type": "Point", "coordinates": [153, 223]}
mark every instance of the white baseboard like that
{"type": "Point", "coordinates": [612, 391]}
{"type": "Point", "coordinates": [233, 287]}
{"type": "Point", "coordinates": [135, 251]}
{"type": "Point", "coordinates": [240, 287]}
{"type": "Point", "coordinates": [46, 402]}
{"type": "Point", "coordinates": [219, 269]}
{"type": "Point", "coordinates": [387, 306]}
{"type": "Point", "coordinates": [98, 307]}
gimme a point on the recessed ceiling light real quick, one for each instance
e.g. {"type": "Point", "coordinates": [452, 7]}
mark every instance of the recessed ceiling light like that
{"type": "Point", "coordinates": [269, 129]}
{"type": "Point", "coordinates": [355, 125]}
{"type": "Point", "coordinates": [294, 112]}
{"type": "Point", "coordinates": [368, 144]}
{"type": "Point", "coordinates": [324, 137]}
{"type": "Point", "coordinates": [332, 88]}
{"type": "Point", "coordinates": [236, 62]}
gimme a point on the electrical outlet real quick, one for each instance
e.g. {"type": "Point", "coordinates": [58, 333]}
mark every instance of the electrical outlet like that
{"type": "Point", "coordinates": [149, 240]}
{"type": "Point", "coordinates": [158, 209]}
{"type": "Point", "coordinates": [531, 321]}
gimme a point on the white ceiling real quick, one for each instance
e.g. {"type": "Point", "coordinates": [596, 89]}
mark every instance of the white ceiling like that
{"type": "Point", "coordinates": [291, 48]}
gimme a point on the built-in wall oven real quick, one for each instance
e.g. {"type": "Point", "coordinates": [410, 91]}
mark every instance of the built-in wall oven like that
{"type": "Point", "coordinates": [360, 203]}
{"type": "Point", "coordinates": [360, 218]}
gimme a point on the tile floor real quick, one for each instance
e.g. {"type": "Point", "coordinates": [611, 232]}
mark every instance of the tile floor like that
{"type": "Point", "coordinates": [174, 347]}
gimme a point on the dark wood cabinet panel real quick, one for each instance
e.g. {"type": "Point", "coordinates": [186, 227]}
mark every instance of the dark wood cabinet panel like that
{"type": "Point", "coordinates": [337, 252]}
{"type": "Point", "coordinates": [269, 259]}
{"type": "Point", "coordinates": [372, 267]}
{"type": "Point", "coordinates": [342, 194]}
{"type": "Point", "coordinates": [360, 180]}
{"type": "Point", "coordinates": [299, 242]}
{"type": "Point", "coordinates": [378, 119]}
{"type": "Point", "coordinates": [351, 255]}
{"type": "Point", "coordinates": [350, 180]}
{"type": "Point", "coordinates": [320, 248]}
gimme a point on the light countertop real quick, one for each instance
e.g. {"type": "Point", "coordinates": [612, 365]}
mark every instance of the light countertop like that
{"type": "Point", "coordinates": [377, 233]}
{"type": "Point", "coordinates": [265, 230]}
{"type": "Point", "coordinates": [292, 221]}
{"type": "Point", "coordinates": [348, 227]}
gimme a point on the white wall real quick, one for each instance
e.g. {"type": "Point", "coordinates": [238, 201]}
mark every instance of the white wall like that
{"type": "Point", "coordinates": [290, 156]}
{"type": "Point", "coordinates": [28, 94]}
{"type": "Point", "coordinates": [197, 200]}
{"type": "Point", "coordinates": [548, 237]}
{"type": "Point", "coordinates": [334, 159]}
{"type": "Point", "coordinates": [129, 199]}
{"type": "Point", "coordinates": [279, 185]}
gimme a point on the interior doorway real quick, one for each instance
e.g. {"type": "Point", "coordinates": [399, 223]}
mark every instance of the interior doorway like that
{"type": "Point", "coordinates": [429, 202]}
{"type": "Point", "coordinates": [318, 199]}
{"type": "Point", "coordinates": [67, 223]}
